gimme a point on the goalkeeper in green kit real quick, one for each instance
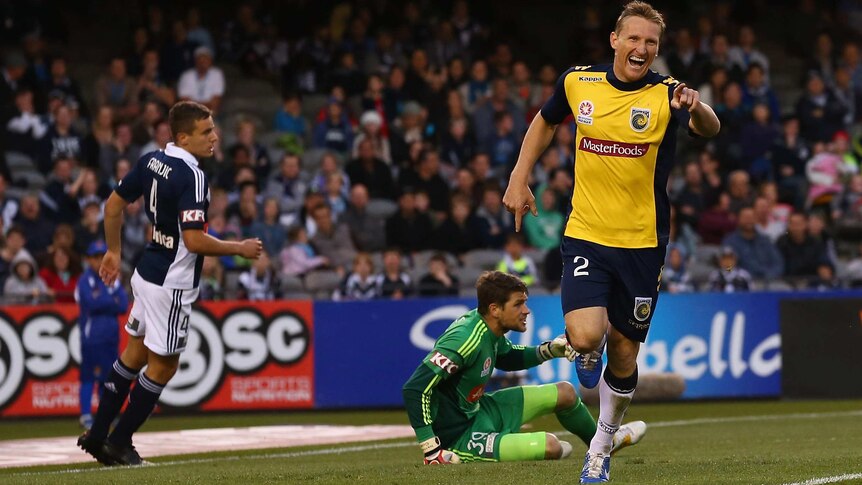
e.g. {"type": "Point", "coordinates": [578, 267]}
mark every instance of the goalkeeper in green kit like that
{"type": "Point", "coordinates": [455, 421]}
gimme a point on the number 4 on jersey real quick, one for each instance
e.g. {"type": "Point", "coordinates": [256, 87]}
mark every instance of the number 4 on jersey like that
{"type": "Point", "coordinates": [154, 195]}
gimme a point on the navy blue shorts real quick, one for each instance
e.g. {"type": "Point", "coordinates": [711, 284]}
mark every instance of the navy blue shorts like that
{"type": "Point", "coordinates": [97, 360]}
{"type": "Point", "coordinates": [625, 281]}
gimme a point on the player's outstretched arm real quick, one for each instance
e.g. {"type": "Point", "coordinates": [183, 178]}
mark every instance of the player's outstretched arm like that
{"type": "Point", "coordinates": [519, 198]}
{"type": "Point", "coordinates": [109, 270]}
{"type": "Point", "coordinates": [517, 357]}
{"type": "Point", "coordinates": [199, 242]}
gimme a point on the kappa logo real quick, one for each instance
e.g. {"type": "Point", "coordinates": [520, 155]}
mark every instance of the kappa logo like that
{"type": "Point", "coordinates": [639, 119]}
{"type": "Point", "coordinates": [585, 112]}
{"type": "Point", "coordinates": [591, 79]}
{"type": "Point", "coordinates": [643, 308]}
{"type": "Point", "coordinates": [486, 368]}
{"type": "Point", "coordinates": [444, 363]}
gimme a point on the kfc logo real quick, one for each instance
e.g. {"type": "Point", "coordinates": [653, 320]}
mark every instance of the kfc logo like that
{"type": "Point", "coordinates": [193, 216]}
{"type": "Point", "coordinates": [444, 363]}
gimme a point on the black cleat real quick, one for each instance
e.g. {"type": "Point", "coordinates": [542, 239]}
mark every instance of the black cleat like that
{"type": "Point", "coordinates": [93, 447]}
{"type": "Point", "coordinates": [122, 454]}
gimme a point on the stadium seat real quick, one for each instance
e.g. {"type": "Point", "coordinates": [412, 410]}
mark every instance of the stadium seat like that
{"type": "Point", "coordinates": [291, 284]}
{"type": "Point", "coordinates": [231, 284]}
{"type": "Point", "coordinates": [699, 272]}
{"type": "Point", "coordinates": [779, 285]}
{"type": "Point", "coordinates": [467, 276]}
{"type": "Point", "coordinates": [16, 161]}
{"type": "Point", "coordinates": [381, 207]}
{"type": "Point", "coordinates": [483, 258]}
{"type": "Point", "coordinates": [705, 253]}
{"type": "Point", "coordinates": [321, 284]}
{"type": "Point", "coordinates": [421, 258]}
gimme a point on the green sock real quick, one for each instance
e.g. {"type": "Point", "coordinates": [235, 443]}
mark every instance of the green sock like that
{"type": "Point", "coordinates": [578, 421]}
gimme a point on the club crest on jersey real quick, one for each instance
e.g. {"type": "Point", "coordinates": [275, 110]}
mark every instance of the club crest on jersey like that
{"type": "Point", "coordinates": [639, 119]}
{"type": "Point", "coordinates": [643, 308]}
{"type": "Point", "coordinates": [585, 112]}
{"type": "Point", "coordinates": [486, 369]}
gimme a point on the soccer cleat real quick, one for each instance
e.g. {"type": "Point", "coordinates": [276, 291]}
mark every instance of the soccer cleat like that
{"type": "Point", "coordinates": [597, 468]}
{"type": "Point", "coordinates": [93, 447]}
{"type": "Point", "coordinates": [589, 367]}
{"type": "Point", "coordinates": [628, 434]}
{"type": "Point", "coordinates": [122, 454]}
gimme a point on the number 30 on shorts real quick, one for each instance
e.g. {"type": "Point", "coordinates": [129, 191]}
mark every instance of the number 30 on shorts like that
{"type": "Point", "coordinates": [581, 269]}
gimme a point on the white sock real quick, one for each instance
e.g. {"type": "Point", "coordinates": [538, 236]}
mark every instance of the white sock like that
{"type": "Point", "coordinates": [612, 407]}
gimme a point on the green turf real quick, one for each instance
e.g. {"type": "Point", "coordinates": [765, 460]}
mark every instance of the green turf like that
{"type": "Point", "coordinates": [794, 447]}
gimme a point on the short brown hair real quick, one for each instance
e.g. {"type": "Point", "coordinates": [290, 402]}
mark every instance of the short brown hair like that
{"type": "Point", "coordinates": [183, 116]}
{"type": "Point", "coordinates": [496, 287]}
{"type": "Point", "coordinates": [639, 9]}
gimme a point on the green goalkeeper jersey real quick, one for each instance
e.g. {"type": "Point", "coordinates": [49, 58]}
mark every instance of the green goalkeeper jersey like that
{"type": "Point", "coordinates": [444, 393]}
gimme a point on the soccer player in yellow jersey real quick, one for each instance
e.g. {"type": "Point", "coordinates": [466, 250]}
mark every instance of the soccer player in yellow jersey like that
{"type": "Point", "coordinates": [615, 236]}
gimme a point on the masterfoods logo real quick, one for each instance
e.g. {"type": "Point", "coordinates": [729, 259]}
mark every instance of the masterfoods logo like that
{"type": "Point", "coordinates": [613, 148]}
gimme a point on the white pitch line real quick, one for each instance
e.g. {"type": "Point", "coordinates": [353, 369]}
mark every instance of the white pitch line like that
{"type": "Point", "coordinates": [401, 444]}
{"type": "Point", "coordinates": [835, 479]}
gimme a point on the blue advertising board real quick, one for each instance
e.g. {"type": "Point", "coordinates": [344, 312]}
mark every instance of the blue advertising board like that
{"type": "Point", "coordinates": [722, 345]}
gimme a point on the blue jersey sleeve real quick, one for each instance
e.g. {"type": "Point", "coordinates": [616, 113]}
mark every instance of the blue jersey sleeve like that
{"type": "Point", "coordinates": [193, 202]}
{"type": "Point", "coordinates": [557, 108]}
{"type": "Point", "coordinates": [132, 185]}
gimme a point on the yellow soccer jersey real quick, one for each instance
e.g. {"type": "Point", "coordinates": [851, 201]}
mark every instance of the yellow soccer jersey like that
{"type": "Point", "coordinates": [624, 151]}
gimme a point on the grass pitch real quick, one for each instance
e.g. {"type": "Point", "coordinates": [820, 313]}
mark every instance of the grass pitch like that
{"type": "Point", "coordinates": [768, 442]}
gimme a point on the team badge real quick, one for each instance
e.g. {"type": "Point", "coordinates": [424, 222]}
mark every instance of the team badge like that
{"type": "Point", "coordinates": [585, 112]}
{"type": "Point", "coordinates": [486, 369]}
{"type": "Point", "coordinates": [639, 119]}
{"type": "Point", "coordinates": [643, 308]}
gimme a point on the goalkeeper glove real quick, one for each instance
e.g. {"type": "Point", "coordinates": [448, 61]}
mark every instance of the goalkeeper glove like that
{"type": "Point", "coordinates": [436, 455]}
{"type": "Point", "coordinates": [554, 349]}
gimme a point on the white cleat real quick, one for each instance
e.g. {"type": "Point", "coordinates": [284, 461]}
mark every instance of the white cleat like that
{"type": "Point", "coordinates": [628, 435]}
{"type": "Point", "coordinates": [567, 449]}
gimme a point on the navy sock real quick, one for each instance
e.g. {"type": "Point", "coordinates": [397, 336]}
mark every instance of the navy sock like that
{"type": "Point", "coordinates": [142, 401]}
{"type": "Point", "coordinates": [112, 398]}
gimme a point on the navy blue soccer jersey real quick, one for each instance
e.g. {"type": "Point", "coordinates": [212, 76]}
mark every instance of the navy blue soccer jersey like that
{"type": "Point", "coordinates": [176, 197]}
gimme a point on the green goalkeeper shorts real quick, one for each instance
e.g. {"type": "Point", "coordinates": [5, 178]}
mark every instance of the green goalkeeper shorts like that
{"type": "Point", "coordinates": [502, 413]}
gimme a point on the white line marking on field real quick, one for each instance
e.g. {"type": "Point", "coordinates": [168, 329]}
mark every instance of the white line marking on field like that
{"type": "Point", "coordinates": [401, 444]}
{"type": "Point", "coordinates": [835, 479]}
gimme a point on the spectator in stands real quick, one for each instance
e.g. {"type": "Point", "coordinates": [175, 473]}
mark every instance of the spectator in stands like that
{"type": "Point", "coordinates": [789, 155]}
{"type": "Point", "coordinates": [90, 227]}
{"type": "Point", "coordinates": [212, 280]}
{"type": "Point", "coordinates": [712, 90]}
{"type": "Point", "coordinates": [825, 171]}
{"type": "Point", "coordinates": [408, 129]}
{"type": "Point", "coordinates": [733, 117]}
{"type": "Point", "coordinates": [151, 86]}
{"type": "Point", "coordinates": [766, 223]}
{"type": "Point", "coordinates": [12, 245]}
{"type": "Point", "coordinates": [12, 79]}
{"type": "Point", "coordinates": [289, 187]}
{"type": "Point", "coordinates": [371, 172]}
{"type": "Point", "coordinates": [758, 137]}
{"type": "Point", "coordinates": [329, 165]}
{"type": "Point", "coordinates": [332, 239]}
{"type": "Point", "coordinates": [25, 127]}
{"type": "Point", "coordinates": [121, 146]}
{"type": "Point", "coordinates": [101, 135]}
{"type": "Point", "coordinates": [728, 277]}
{"type": "Point", "coordinates": [457, 146]}
{"type": "Point", "coordinates": [716, 221]}
{"type": "Point", "coordinates": [179, 54]}
{"type": "Point", "coordinates": [495, 222]}
{"type": "Point", "coordinates": [368, 230]}
{"type": "Point", "coordinates": [675, 277]}
{"type": "Point", "coordinates": [204, 82]}
{"type": "Point", "coordinates": [259, 282]}
{"type": "Point", "coordinates": [386, 55]}
{"type": "Point", "coordinates": [690, 200]}
{"type": "Point", "coordinates": [8, 206]}
{"type": "Point", "coordinates": [408, 229]}
{"type": "Point", "coordinates": [268, 229]}
{"type": "Point", "coordinates": [819, 111]}
{"type": "Point", "coordinates": [289, 119]}
{"type": "Point", "coordinates": [37, 227]}
{"type": "Point", "coordinates": [334, 132]}
{"type": "Point", "coordinates": [846, 94]}
{"type": "Point", "coordinates": [502, 144]}
{"type": "Point", "coordinates": [23, 286]}
{"type": "Point", "coordinates": [745, 53]}
{"type": "Point", "coordinates": [117, 90]}
{"type": "Point", "coordinates": [299, 257]}
{"type": "Point", "coordinates": [755, 90]}
{"type": "Point", "coordinates": [61, 273]}
{"type": "Point", "coordinates": [59, 197]}
{"type": "Point", "coordinates": [246, 135]}
{"type": "Point", "coordinates": [360, 284]}
{"type": "Point", "coordinates": [823, 60]}
{"type": "Point", "coordinates": [392, 282]}
{"type": "Point", "coordinates": [739, 189]}
{"type": "Point", "coordinates": [61, 82]}
{"type": "Point", "coordinates": [197, 33]}
{"type": "Point", "coordinates": [160, 140]}
{"type": "Point", "coordinates": [62, 140]}
{"type": "Point", "coordinates": [515, 262]}
{"type": "Point", "coordinates": [370, 125]}
{"type": "Point", "coordinates": [846, 208]}
{"type": "Point", "coordinates": [477, 90]}
{"type": "Point", "coordinates": [347, 74]}
{"type": "Point", "coordinates": [802, 253]}
{"type": "Point", "coordinates": [755, 252]}
{"type": "Point", "coordinates": [685, 62]}
{"type": "Point", "coordinates": [825, 279]}
{"type": "Point", "coordinates": [720, 56]}
{"type": "Point", "coordinates": [545, 231]}
{"type": "Point", "coordinates": [438, 281]}
{"type": "Point", "coordinates": [459, 231]}
{"type": "Point", "coordinates": [486, 117]}
{"type": "Point", "coordinates": [426, 177]}
{"type": "Point", "coordinates": [135, 233]}
{"type": "Point", "coordinates": [144, 127]}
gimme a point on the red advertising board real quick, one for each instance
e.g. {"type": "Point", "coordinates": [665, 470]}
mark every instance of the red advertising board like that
{"type": "Point", "coordinates": [240, 355]}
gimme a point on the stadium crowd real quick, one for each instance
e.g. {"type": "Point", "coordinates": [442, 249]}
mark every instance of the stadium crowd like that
{"type": "Point", "coordinates": [381, 174]}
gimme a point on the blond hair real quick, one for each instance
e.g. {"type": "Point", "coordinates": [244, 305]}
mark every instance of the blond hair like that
{"type": "Point", "coordinates": [639, 9]}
